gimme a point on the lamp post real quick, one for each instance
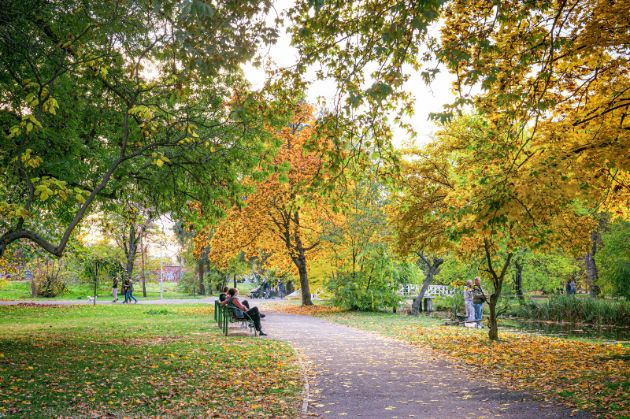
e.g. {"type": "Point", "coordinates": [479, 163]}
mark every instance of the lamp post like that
{"type": "Point", "coordinates": [95, 281]}
{"type": "Point", "coordinates": [161, 280]}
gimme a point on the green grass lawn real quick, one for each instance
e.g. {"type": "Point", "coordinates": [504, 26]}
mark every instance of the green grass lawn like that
{"type": "Point", "coordinates": [138, 361]}
{"type": "Point", "coordinates": [21, 290]}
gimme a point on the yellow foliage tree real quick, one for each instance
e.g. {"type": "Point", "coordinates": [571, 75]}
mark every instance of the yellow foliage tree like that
{"type": "Point", "coordinates": [554, 81]}
{"type": "Point", "coordinates": [465, 192]}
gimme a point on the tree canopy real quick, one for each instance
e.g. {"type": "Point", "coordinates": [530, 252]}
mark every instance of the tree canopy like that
{"type": "Point", "coordinates": [282, 221]}
{"type": "Point", "coordinates": [98, 96]}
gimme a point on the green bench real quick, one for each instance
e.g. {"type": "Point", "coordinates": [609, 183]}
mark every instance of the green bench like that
{"type": "Point", "coordinates": [225, 315]}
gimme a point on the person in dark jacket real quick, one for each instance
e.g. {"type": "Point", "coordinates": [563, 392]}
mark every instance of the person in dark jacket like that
{"type": "Point", "coordinates": [253, 312]}
{"type": "Point", "coordinates": [478, 299]}
{"type": "Point", "coordinates": [223, 294]}
{"type": "Point", "coordinates": [128, 289]}
{"type": "Point", "coordinates": [281, 289]}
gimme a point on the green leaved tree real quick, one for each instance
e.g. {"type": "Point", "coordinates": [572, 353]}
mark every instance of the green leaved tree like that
{"type": "Point", "coordinates": [97, 96]}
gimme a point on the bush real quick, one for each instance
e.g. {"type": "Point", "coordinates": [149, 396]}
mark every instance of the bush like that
{"type": "Point", "coordinates": [359, 292]}
{"type": "Point", "coordinates": [613, 260]}
{"type": "Point", "coordinates": [453, 304]}
{"type": "Point", "coordinates": [573, 309]}
{"type": "Point", "coordinates": [49, 279]}
{"type": "Point", "coordinates": [188, 283]}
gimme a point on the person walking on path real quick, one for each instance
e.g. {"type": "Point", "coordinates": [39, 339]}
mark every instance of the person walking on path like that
{"type": "Point", "coordinates": [468, 304]}
{"type": "Point", "coordinates": [128, 286]}
{"type": "Point", "coordinates": [124, 291]}
{"type": "Point", "coordinates": [478, 299]}
{"type": "Point", "coordinates": [115, 289]}
{"type": "Point", "coordinates": [281, 289]}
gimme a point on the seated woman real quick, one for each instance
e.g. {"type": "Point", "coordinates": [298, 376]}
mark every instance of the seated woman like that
{"type": "Point", "coordinates": [253, 312]}
{"type": "Point", "coordinates": [223, 294]}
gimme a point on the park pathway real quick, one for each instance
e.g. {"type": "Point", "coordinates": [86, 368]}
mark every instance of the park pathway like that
{"type": "Point", "coordinates": [360, 374]}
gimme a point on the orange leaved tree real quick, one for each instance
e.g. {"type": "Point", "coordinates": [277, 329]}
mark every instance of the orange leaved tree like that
{"type": "Point", "coordinates": [281, 222]}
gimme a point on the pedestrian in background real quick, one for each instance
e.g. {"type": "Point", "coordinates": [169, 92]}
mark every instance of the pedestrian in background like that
{"type": "Point", "coordinates": [115, 289]}
{"type": "Point", "coordinates": [128, 287]}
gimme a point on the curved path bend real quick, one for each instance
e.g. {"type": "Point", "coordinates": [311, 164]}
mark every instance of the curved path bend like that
{"type": "Point", "coordinates": [362, 374]}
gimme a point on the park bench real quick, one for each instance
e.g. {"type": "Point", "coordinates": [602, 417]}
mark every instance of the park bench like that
{"type": "Point", "coordinates": [225, 315]}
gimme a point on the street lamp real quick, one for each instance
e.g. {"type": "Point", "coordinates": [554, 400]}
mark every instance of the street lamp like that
{"type": "Point", "coordinates": [161, 280]}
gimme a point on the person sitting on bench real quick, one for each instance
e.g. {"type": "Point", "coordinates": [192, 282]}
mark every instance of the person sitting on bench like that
{"type": "Point", "coordinates": [223, 294]}
{"type": "Point", "coordinates": [253, 312]}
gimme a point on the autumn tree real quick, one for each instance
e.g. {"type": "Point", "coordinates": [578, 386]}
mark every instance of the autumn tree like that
{"type": "Point", "coordinates": [551, 77]}
{"type": "Point", "coordinates": [96, 97]}
{"type": "Point", "coordinates": [282, 217]}
{"type": "Point", "coordinates": [459, 198]}
{"type": "Point", "coordinates": [420, 233]}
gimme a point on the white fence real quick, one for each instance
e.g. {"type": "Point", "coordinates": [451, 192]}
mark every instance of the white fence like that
{"type": "Point", "coordinates": [412, 290]}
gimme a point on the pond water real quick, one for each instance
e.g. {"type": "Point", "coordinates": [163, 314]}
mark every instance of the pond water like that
{"type": "Point", "coordinates": [606, 333]}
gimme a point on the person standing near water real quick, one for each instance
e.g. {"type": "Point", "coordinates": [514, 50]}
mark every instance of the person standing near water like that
{"type": "Point", "coordinates": [478, 299]}
{"type": "Point", "coordinates": [468, 304]}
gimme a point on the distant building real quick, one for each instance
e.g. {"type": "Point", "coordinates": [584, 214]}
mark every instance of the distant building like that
{"type": "Point", "coordinates": [170, 273]}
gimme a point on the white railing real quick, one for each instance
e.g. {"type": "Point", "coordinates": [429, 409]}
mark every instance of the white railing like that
{"type": "Point", "coordinates": [412, 290]}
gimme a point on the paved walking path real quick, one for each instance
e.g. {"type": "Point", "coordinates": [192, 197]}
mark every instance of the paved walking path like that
{"type": "Point", "coordinates": [362, 374]}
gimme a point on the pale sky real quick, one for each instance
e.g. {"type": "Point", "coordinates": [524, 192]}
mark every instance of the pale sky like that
{"type": "Point", "coordinates": [427, 98]}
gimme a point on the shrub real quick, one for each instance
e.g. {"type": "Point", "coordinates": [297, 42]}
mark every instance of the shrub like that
{"type": "Point", "coordinates": [188, 283]}
{"type": "Point", "coordinates": [375, 286]}
{"type": "Point", "coordinates": [49, 279]}
{"type": "Point", "coordinates": [359, 292]}
{"type": "Point", "coordinates": [573, 309]}
{"type": "Point", "coordinates": [453, 304]}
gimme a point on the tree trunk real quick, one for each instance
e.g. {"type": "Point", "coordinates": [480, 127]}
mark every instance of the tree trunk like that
{"type": "Point", "coordinates": [131, 257]}
{"type": "Point", "coordinates": [497, 283]}
{"type": "Point", "coordinates": [416, 307]}
{"type": "Point", "coordinates": [493, 333]}
{"type": "Point", "coordinates": [234, 278]}
{"type": "Point", "coordinates": [518, 281]}
{"type": "Point", "coordinates": [143, 249]}
{"type": "Point", "coordinates": [33, 286]}
{"type": "Point", "coordinates": [591, 267]}
{"type": "Point", "coordinates": [433, 268]}
{"type": "Point", "coordinates": [131, 250]}
{"type": "Point", "coordinates": [200, 272]}
{"type": "Point", "coordinates": [304, 285]}
{"type": "Point", "coordinates": [95, 283]}
{"type": "Point", "coordinates": [299, 258]}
